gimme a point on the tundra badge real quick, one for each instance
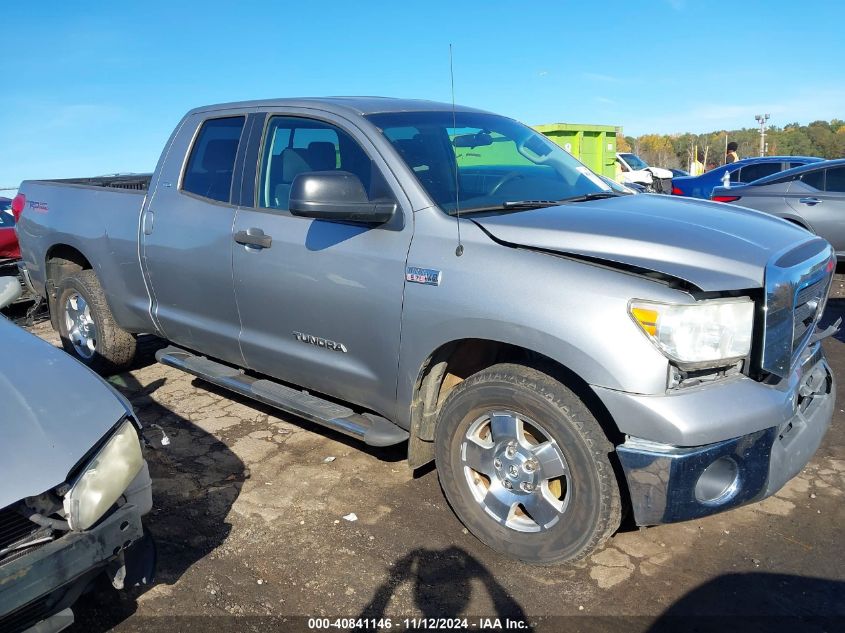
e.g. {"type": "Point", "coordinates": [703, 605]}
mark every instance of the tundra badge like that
{"type": "Point", "coordinates": [320, 342]}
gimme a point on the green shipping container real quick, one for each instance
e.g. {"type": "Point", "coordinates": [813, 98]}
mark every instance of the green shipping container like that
{"type": "Point", "coordinates": [593, 145]}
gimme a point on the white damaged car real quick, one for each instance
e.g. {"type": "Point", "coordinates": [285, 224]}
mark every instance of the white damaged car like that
{"type": "Point", "coordinates": [638, 172]}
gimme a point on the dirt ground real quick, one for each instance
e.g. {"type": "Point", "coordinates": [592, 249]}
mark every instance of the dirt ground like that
{"type": "Point", "coordinates": [251, 515]}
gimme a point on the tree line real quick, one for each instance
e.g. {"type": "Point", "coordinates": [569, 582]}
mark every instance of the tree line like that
{"type": "Point", "coordinates": [825, 139]}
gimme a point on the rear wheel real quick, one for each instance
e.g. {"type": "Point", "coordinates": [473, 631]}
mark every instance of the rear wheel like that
{"type": "Point", "coordinates": [525, 466]}
{"type": "Point", "coordinates": [87, 327]}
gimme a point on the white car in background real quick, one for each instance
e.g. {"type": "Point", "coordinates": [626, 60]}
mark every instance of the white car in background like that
{"type": "Point", "coordinates": [636, 171]}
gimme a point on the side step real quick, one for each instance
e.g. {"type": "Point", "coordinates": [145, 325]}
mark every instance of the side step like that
{"type": "Point", "coordinates": [370, 428]}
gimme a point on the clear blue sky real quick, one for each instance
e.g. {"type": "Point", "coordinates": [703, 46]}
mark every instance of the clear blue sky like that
{"type": "Point", "coordinates": [96, 87]}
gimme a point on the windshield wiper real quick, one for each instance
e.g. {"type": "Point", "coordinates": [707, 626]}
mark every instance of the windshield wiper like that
{"type": "Point", "coordinates": [528, 204]}
{"type": "Point", "coordinates": [510, 205]}
{"type": "Point", "coordinates": [522, 205]}
{"type": "Point", "coordinates": [591, 196]}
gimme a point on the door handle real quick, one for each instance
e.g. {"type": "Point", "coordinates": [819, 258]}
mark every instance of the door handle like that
{"type": "Point", "coordinates": [148, 221]}
{"type": "Point", "coordinates": [810, 201]}
{"type": "Point", "coordinates": [254, 238]}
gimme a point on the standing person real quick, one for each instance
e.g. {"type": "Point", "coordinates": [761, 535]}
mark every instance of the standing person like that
{"type": "Point", "coordinates": [697, 166]}
{"type": "Point", "coordinates": [730, 155]}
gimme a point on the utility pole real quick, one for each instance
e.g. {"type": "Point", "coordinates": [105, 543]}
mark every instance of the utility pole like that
{"type": "Point", "coordinates": [762, 119]}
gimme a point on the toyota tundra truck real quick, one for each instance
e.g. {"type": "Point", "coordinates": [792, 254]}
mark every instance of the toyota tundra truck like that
{"type": "Point", "coordinates": [404, 271]}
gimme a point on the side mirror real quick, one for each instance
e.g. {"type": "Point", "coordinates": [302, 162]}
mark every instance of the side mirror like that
{"type": "Point", "coordinates": [336, 195]}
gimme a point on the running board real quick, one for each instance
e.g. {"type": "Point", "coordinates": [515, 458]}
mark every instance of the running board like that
{"type": "Point", "coordinates": [367, 427]}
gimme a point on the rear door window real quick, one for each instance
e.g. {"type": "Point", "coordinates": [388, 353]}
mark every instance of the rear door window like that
{"type": "Point", "coordinates": [212, 160]}
{"type": "Point", "coordinates": [814, 179]}
{"type": "Point", "coordinates": [750, 173]}
{"type": "Point", "coordinates": [835, 180]}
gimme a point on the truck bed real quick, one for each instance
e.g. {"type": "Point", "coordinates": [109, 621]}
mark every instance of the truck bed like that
{"type": "Point", "coordinates": [98, 219]}
{"type": "Point", "coordinates": [137, 182]}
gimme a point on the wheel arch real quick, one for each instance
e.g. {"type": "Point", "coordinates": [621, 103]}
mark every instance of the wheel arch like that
{"type": "Point", "coordinates": [63, 259]}
{"type": "Point", "coordinates": [798, 221]}
{"type": "Point", "coordinates": [456, 360]}
{"type": "Point", "coordinates": [60, 261]}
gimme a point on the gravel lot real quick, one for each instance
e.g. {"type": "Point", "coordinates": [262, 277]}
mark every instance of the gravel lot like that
{"type": "Point", "coordinates": [249, 510]}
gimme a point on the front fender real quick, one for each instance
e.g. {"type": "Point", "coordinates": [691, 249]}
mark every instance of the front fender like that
{"type": "Point", "coordinates": [571, 311]}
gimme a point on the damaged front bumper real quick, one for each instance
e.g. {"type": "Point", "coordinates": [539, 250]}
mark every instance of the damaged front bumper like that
{"type": "Point", "coordinates": [47, 581]}
{"type": "Point", "coordinates": [670, 483]}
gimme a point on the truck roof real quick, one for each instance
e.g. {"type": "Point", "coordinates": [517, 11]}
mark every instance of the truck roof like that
{"type": "Point", "coordinates": [357, 105]}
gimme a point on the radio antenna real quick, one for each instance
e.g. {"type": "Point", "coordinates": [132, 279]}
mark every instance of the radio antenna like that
{"type": "Point", "coordinates": [460, 249]}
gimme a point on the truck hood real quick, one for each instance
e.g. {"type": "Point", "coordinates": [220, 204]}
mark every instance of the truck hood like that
{"type": "Point", "coordinates": [53, 410]}
{"type": "Point", "coordinates": [713, 246]}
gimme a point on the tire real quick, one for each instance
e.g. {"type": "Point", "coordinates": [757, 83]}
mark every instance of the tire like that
{"type": "Point", "coordinates": [563, 504]}
{"type": "Point", "coordinates": [99, 343]}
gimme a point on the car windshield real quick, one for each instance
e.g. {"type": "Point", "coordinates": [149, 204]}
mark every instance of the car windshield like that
{"type": "Point", "coordinates": [634, 161]}
{"type": "Point", "coordinates": [477, 161]}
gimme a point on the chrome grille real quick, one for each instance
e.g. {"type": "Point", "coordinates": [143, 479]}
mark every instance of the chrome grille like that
{"type": "Point", "coordinates": [808, 302]}
{"type": "Point", "coordinates": [796, 285]}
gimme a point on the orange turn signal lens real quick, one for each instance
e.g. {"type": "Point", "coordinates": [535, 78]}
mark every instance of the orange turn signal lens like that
{"type": "Point", "coordinates": [647, 319]}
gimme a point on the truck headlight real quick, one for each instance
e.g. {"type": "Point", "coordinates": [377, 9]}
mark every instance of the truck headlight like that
{"type": "Point", "coordinates": [707, 333]}
{"type": "Point", "coordinates": [104, 478]}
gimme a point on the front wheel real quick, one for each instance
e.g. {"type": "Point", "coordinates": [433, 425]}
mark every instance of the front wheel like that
{"type": "Point", "coordinates": [524, 465]}
{"type": "Point", "coordinates": [86, 325]}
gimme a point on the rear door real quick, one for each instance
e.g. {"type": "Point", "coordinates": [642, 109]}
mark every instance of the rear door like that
{"type": "Point", "coordinates": [187, 237]}
{"type": "Point", "coordinates": [321, 301]}
{"type": "Point", "coordinates": [819, 197]}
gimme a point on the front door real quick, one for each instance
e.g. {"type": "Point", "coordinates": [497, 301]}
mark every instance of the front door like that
{"type": "Point", "coordinates": [187, 239]}
{"type": "Point", "coordinates": [320, 301]}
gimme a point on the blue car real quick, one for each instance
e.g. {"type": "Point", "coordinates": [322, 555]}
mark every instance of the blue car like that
{"type": "Point", "coordinates": [745, 171]}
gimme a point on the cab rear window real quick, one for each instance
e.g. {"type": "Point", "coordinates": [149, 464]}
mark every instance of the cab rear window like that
{"type": "Point", "coordinates": [212, 161]}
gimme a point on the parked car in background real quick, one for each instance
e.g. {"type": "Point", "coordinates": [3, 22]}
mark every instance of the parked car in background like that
{"type": "Point", "coordinates": [557, 348]}
{"type": "Point", "coordinates": [8, 239]}
{"type": "Point", "coordinates": [620, 188]}
{"type": "Point", "coordinates": [635, 170]}
{"type": "Point", "coordinates": [10, 251]}
{"type": "Point", "coordinates": [745, 170]}
{"type": "Point", "coordinates": [812, 196]}
{"type": "Point", "coordinates": [73, 482]}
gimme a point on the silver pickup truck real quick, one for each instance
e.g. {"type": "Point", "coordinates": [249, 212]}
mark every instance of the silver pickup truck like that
{"type": "Point", "coordinates": [400, 270]}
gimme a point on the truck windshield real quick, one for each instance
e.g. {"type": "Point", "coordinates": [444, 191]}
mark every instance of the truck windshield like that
{"type": "Point", "coordinates": [634, 161]}
{"type": "Point", "coordinates": [482, 161]}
